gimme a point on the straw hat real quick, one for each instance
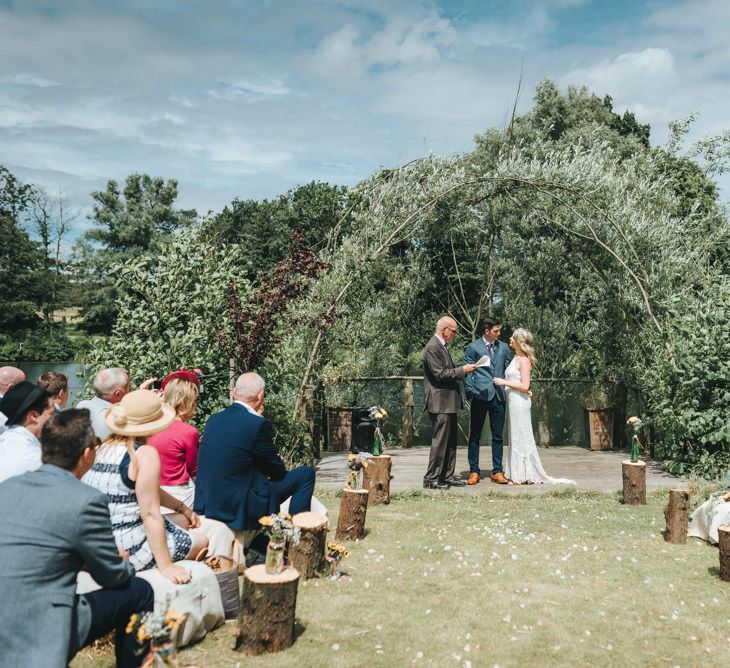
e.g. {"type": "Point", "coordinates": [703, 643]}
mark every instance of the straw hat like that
{"type": "Point", "coordinates": [139, 413]}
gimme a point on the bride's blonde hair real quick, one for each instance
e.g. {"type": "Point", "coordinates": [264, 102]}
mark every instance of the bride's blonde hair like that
{"type": "Point", "coordinates": [523, 338]}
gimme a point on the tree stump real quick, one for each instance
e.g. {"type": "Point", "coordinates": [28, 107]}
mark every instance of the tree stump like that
{"type": "Point", "coordinates": [268, 606]}
{"type": "Point", "coordinates": [676, 514]}
{"type": "Point", "coordinates": [308, 556]}
{"type": "Point", "coordinates": [724, 536]}
{"type": "Point", "coordinates": [376, 479]}
{"type": "Point", "coordinates": [634, 476]}
{"type": "Point", "coordinates": [353, 508]}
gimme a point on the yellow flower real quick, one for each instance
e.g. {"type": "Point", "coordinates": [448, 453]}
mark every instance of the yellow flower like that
{"type": "Point", "coordinates": [132, 621]}
{"type": "Point", "coordinates": [345, 554]}
{"type": "Point", "coordinates": [265, 521]}
{"type": "Point", "coordinates": [632, 419]}
{"type": "Point", "coordinates": [141, 636]}
{"type": "Point", "coordinates": [351, 457]}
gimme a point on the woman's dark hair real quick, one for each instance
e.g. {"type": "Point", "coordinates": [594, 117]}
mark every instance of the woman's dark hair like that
{"type": "Point", "coordinates": [65, 437]}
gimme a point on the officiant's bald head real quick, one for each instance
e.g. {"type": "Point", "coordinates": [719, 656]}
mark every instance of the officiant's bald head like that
{"type": "Point", "coordinates": [446, 327]}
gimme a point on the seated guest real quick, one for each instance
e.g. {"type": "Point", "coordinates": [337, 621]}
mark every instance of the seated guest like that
{"type": "Point", "coordinates": [178, 444]}
{"type": "Point", "coordinates": [53, 526]}
{"type": "Point", "coordinates": [241, 476]}
{"type": "Point", "coordinates": [128, 472]}
{"type": "Point", "coordinates": [110, 386]}
{"type": "Point", "coordinates": [712, 514]}
{"type": "Point", "coordinates": [9, 376]}
{"type": "Point", "coordinates": [55, 383]}
{"type": "Point", "coordinates": [27, 408]}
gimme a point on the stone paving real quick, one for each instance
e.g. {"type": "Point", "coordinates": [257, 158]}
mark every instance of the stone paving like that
{"type": "Point", "coordinates": [590, 469]}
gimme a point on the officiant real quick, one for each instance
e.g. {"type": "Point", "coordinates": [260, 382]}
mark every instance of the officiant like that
{"type": "Point", "coordinates": [485, 398]}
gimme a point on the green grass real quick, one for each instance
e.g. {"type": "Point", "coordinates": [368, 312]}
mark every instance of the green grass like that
{"type": "Point", "coordinates": [568, 578]}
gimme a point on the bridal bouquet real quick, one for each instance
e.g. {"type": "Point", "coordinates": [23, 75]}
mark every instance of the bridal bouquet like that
{"type": "Point", "coordinates": [355, 463]}
{"type": "Point", "coordinates": [157, 627]}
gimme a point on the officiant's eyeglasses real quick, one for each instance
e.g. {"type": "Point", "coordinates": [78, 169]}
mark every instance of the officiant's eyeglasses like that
{"type": "Point", "coordinates": [453, 329]}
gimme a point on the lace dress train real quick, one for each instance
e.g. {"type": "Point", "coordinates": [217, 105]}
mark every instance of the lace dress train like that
{"type": "Point", "coordinates": [523, 464]}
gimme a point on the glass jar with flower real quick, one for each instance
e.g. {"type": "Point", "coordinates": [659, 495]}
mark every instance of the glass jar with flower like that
{"type": "Point", "coordinates": [281, 531]}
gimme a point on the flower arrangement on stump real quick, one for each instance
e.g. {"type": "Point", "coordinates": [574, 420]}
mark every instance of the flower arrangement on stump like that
{"type": "Point", "coordinates": [334, 555]}
{"type": "Point", "coordinates": [355, 463]}
{"type": "Point", "coordinates": [281, 531]}
{"type": "Point", "coordinates": [636, 424]}
{"type": "Point", "coordinates": [378, 413]}
{"type": "Point", "coordinates": [156, 628]}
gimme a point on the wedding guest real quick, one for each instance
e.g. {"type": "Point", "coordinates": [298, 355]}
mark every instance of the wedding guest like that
{"type": "Point", "coordinates": [241, 476]}
{"type": "Point", "coordinates": [27, 408]}
{"type": "Point", "coordinates": [110, 386]}
{"type": "Point", "coordinates": [56, 383]}
{"type": "Point", "coordinates": [178, 444]}
{"type": "Point", "coordinates": [9, 376]}
{"type": "Point", "coordinates": [442, 389]}
{"type": "Point", "coordinates": [53, 526]}
{"type": "Point", "coordinates": [128, 471]}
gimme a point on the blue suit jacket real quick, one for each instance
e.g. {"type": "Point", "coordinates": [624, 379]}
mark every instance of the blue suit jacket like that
{"type": "Point", "coordinates": [236, 466]}
{"type": "Point", "coordinates": [480, 383]}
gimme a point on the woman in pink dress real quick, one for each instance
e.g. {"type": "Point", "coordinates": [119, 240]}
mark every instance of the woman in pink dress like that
{"type": "Point", "coordinates": [178, 444]}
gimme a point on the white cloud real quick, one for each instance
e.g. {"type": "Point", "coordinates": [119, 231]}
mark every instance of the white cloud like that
{"type": "Point", "coordinates": [26, 79]}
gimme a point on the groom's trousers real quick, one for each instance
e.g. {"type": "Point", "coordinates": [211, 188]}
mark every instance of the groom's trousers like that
{"type": "Point", "coordinates": [479, 411]}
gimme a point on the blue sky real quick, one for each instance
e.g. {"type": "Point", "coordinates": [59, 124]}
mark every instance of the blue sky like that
{"type": "Point", "coordinates": [251, 98]}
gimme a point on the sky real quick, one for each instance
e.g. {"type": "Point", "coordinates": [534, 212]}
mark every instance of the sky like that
{"type": "Point", "coordinates": [250, 98]}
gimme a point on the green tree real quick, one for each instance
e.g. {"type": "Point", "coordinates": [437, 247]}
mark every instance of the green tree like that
{"type": "Point", "coordinates": [126, 223]}
{"type": "Point", "coordinates": [315, 210]}
{"type": "Point", "coordinates": [20, 259]}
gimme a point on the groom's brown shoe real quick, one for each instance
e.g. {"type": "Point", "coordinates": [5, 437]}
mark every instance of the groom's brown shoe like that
{"type": "Point", "coordinates": [473, 478]}
{"type": "Point", "coordinates": [499, 478]}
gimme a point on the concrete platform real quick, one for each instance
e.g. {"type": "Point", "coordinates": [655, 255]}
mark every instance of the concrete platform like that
{"type": "Point", "coordinates": [591, 470]}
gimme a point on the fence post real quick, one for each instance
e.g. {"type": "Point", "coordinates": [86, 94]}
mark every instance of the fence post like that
{"type": "Point", "coordinates": [408, 415]}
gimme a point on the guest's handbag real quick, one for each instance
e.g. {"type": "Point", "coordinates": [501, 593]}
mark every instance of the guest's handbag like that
{"type": "Point", "coordinates": [226, 572]}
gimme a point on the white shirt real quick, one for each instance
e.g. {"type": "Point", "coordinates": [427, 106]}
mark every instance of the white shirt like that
{"type": "Point", "coordinates": [247, 407]}
{"type": "Point", "coordinates": [3, 420]}
{"type": "Point", "coordinates": [20, 452]}
{"type": "Point", "coordinates": [98, 408]}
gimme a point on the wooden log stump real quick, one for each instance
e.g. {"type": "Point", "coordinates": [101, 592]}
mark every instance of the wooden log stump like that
{"type": "Point", "coordinates": [308, 556]}
{"type": "Point", "coordinates": [676, 514]}
{"type": "Point", "coordinates": [376, 479]}
{"type": "Point", "coordinates": [634, 476]}
{"type": "Point", "coordinates": [268, 606]}
{"type": "Point", "coordinates": [723, 533]}
{"type": "Point", "coordinates": [353, 508]}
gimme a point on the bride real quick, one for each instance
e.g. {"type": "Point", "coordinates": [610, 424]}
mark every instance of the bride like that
{"type": "Point", "coordinates": [523, 466]}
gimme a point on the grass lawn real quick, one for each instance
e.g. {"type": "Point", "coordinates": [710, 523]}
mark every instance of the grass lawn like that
{"type": "Point", "coordinates": [566, 578]}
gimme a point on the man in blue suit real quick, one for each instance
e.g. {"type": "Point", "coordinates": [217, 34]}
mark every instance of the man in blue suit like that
{"type": "Point", "coordinates": [241, 476]}
{"type": "Point", "coordinates": [486, 398]}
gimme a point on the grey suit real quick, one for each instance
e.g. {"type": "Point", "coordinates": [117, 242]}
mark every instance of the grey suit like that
{"type": "Point", "coordinates": [53, 525]}
{"type": "Point", "coordinates": [442, 381]}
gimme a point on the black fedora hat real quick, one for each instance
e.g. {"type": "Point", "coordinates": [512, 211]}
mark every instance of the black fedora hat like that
{"type": "Point", "coordinates": [18, 399]}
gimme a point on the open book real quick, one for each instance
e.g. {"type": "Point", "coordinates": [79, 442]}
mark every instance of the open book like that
{"type": "Point", "coordinates": [483, 361]}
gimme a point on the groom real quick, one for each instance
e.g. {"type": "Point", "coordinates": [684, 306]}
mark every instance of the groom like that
{"type": "Point", "coordinates": [486, 398]}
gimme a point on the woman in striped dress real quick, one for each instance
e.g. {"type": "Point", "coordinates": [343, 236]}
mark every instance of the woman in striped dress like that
{"type": "Point", "coordinates": [128, 472]}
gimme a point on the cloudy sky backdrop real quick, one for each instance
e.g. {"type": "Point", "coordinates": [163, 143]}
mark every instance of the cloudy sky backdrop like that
{"type": "Point", "coordinates": [250, 98]}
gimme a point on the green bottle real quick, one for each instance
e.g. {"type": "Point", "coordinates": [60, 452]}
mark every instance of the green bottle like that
{"type": "Point", "coordinates": [634, 449]}
{"type": "Point", "coordinates": [377, 445]}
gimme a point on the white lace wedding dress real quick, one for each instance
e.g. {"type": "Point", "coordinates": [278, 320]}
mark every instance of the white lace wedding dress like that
{"type": "Point", "coordinates": [523, 465]}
